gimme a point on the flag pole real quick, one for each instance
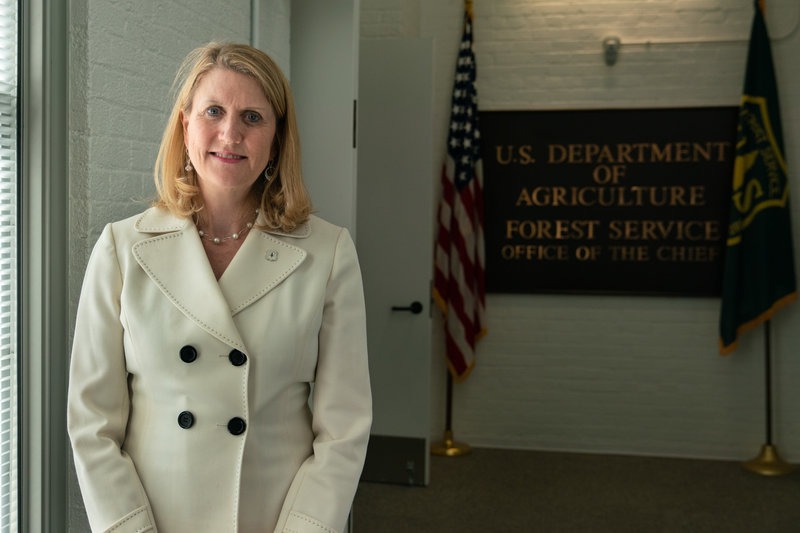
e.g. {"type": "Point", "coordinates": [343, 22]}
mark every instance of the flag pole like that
{"type": "Point", "coordinates": [449, 447]}
{"type": "Point", "coordinates": [768, 462]}
{"type": "Point", "coordinates": [458, 286]}
{"type": "Point", "coordinates": [759, 242]}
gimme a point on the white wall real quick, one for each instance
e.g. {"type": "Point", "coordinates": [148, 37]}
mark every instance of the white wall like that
{"type": "Point", "coordinates": [123, 57]}
{"type": "Point", "coordinates": [634, 375]}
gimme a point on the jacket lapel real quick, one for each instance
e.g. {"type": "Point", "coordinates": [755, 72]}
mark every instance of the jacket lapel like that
{"type": "Point", "coordinates": [175, 261]}
{"type": "Point", "coordinates": [263, 261]}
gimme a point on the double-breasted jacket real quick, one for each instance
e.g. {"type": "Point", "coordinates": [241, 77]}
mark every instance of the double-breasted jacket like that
{"type": "Point", "coordinates": [233, 405]}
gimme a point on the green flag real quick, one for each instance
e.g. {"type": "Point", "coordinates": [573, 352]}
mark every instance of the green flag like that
{"type": "Point", "coordinates": [759, 262]}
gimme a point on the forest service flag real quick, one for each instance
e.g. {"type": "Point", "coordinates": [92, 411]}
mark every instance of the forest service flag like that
{"type": "Point", "coordinates": [458, 279]}
{"type": "Point", "coordinates": [759, 262]}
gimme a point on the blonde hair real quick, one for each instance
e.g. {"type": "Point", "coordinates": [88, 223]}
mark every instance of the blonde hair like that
{"type": "Point", "coordinates": [284, 200]}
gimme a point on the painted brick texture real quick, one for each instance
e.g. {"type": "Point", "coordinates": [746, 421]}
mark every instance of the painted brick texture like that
{"type": "Point", "coordinates": [634, 375]}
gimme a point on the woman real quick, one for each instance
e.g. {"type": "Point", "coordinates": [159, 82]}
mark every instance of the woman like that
{"type": "Point", "coordinates": [204, 321]}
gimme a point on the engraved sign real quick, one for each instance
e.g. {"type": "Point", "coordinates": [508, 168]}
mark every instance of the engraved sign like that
{"type": "Point", "coordinates": [607, 201]}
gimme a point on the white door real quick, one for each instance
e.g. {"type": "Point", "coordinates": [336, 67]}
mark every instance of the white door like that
{"type": "Point", "coordinates": [395, 217]}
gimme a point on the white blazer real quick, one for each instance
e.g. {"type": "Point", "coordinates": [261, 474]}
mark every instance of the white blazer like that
{"type": "Point", "coordinates": [188, 406]}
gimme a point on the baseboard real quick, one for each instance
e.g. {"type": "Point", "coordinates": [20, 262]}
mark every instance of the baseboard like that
{"type": "Point", "coordinates": [399, 460]}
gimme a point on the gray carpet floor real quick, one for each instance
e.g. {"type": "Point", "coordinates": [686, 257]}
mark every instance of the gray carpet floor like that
{"type": "Point", "coordinates": [523, 491]}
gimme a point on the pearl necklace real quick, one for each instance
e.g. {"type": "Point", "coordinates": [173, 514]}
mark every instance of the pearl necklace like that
{"type": "Point", "coordinates": [234, 236]}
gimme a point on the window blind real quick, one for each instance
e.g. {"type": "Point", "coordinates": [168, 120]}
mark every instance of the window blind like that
{"type": "Point", "coordinates": [8, 266]}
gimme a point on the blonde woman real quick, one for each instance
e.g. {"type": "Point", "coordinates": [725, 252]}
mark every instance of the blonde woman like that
{"type": "Point", "coordinates": [204, 321]}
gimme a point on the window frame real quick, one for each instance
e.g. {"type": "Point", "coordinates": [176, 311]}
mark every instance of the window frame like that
{"type": "Point", "coordinates": [43, 279]}
{"type": "Point", "coordinates": [9, 516]}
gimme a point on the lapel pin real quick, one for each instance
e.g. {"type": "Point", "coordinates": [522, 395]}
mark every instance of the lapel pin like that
{"type": "Point", "coordinates": [272, 255]}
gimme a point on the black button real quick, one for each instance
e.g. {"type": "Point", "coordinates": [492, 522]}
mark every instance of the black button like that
{"type": "Point", "coordinates": [186, 420]}
{"type": "Point", "coordinates": [188, 354]}
{"type": "Point", "coordinates": [237, 358]}
{"type": "Point", "coordinates": [236, 426]}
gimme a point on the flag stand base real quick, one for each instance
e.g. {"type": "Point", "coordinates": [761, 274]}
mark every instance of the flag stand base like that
{"type": "Point", "coordinates": [768, 463]}
{"type": "Point", "coordinates": [450, 448]}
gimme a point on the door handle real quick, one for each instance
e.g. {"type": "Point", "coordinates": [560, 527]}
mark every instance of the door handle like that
{"type": "Point", "coordinates": [415, 308]}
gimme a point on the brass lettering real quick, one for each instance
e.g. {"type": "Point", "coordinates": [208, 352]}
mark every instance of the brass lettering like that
{"type": "Point", "coordinates": [556, 153]}
{"type": "Point", "coordinates": [658, 230]}
{"type": "Point", "coordinates": [629, 253]}
{"type": "Point", "coordinates": [624, 153]}
{"type": "Point", "coordinates": [524, 198]}
{"type": "Point", "coordinates": [531, 252]}
{"type": "Point", "coordinates": [662, 154]}
{"type": "Point", "coordinates": [551, 229]}
{"type": "Point", "coordinates": [688, 254]}
{"type": "Point", "coordinates": [612, 196]}
{"type": "Point", "coordinates": [499, 157]}
{"type": "Point", "coordinates": [525, 157]}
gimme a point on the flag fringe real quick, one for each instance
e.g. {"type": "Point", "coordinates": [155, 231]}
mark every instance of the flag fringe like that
{"type": "Point", "coordinates": [760, 319]}
{"type": "Point", "coordinates": [458, 378]}
{"type": "Point", "coordinates": [442, 305]}
{"type": "Point", "coordinates": [439, 301]}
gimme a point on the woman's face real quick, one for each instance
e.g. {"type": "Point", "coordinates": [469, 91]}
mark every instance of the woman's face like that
{"type": "Point", "coordinates": [228, 131]}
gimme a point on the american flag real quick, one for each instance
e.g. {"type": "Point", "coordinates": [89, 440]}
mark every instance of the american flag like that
{"type": "Point", "coordinates": [458, 283]}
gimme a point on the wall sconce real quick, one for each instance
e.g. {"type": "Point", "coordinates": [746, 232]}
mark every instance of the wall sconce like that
{"type": "Point", "coordinates": [611, 49]}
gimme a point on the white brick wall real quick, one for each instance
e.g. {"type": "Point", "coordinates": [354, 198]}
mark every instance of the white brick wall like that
{"type": "Point", "coordinates": [635, 375]}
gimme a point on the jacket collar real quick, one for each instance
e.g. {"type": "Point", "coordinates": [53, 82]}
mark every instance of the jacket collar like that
{"type": "Point", "coordinates": [157, 220]}
{"type": "Point", "coordinates": [173, 257]}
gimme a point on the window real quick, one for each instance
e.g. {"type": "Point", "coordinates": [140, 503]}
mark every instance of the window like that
{"type": "Point", "coordinates": [8, 267]}
{"type": "Point", "coordinates": [41, 249]}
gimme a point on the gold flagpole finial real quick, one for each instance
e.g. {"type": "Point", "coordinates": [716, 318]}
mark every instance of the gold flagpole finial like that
{"type": "Point", "coordinates": [762, 5]}
{"type": "Point", "coordinates": [468, 7]}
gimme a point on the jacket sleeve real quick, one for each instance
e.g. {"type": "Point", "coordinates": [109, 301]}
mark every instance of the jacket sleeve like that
{"type": "Point", "coordinates": [322, 492]}
{"type": "Point", "coordinates": [98, 402]}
